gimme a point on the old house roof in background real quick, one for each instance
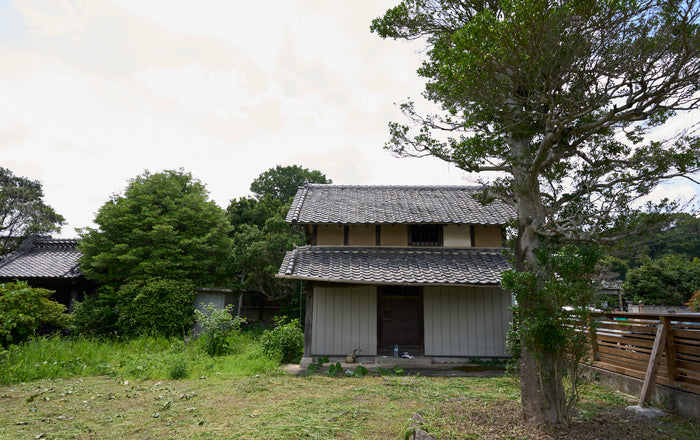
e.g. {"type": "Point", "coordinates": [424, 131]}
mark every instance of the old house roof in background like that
{"type": "Point", "coordinates": [43, 257]}
{"type": "Point", "coordinates": [353, 204]}
{"type": "Point", "coordinates": [377, 265]}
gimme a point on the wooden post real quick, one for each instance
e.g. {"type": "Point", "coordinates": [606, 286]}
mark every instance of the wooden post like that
{"type": "Point", "coordinates": [654, 361]}
{"type": "Point", "coordinates": [308, 319]}
{"type": "Point", "coordinates": [671, 362]}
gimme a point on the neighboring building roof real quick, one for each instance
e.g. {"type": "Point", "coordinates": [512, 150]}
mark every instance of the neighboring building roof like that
{"type": "Point", "coordinates": [42, 257]}
{"type": "Point", "coordinates": [348, 204]}
{"type": "Point", "coordinates": [377, 265]}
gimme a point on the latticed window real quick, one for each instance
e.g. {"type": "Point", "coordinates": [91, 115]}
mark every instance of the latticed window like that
{"type": "Point", "coordinates": [425, 235]}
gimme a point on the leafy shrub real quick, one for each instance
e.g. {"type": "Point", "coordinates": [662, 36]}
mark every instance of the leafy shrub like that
{"type": "Point", "coordinates": [285, 341]}
{"type": "Point", "coordinates": [669, 281]}
{"type": "Point", "coordinates": [155, 306]}
{"type": "Point", "coordinates": [24, 310]}
{"type": "Point", "coordinates": [218, 324]}
{"type": "Point", "coordinates": [694, 302]}
{"type": "Point", "coordinates": [178, 368]}
{"type": "Point", "coordinates": [96, 314]}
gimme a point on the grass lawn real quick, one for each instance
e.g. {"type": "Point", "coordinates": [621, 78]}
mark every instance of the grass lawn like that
{"type": "Point", "coordinates": [281, 406]}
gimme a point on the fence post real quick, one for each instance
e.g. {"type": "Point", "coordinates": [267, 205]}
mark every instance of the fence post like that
{"type": "Point", "coordinates": [654, 361]}
{"type": "Point", "coordinates": [671, 362]}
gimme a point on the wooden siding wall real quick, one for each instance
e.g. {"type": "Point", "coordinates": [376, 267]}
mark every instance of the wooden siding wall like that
{"type": "Point", "coordinates": [344, 318]}
{"type": "Point", "coordinates": [466, 321]}
{"type": "Point", "coordinates": [488, 236]}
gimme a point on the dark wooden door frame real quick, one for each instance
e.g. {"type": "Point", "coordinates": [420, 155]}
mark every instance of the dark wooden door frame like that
{"type": "Point", "coordinates": [409, 291]}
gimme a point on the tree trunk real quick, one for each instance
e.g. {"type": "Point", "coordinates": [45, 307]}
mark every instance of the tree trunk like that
{"type": "Point", "coordinates": [541, 384]}
{"type": "Point", "coordinates": [542, 389]}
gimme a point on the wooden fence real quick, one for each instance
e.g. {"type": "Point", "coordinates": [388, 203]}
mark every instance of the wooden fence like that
{"type": "Point", "coordinates": [657, 348]}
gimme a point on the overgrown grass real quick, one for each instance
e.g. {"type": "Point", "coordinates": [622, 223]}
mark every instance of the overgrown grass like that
{"type": "Point", "coordinates": [279, 406]}
{"type": "Point", "coordinates": [141, 358]}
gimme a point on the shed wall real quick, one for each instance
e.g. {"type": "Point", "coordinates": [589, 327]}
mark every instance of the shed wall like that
{"type": "Point", "coordinates": [344, 319]}
{"type": "Point", "coordinates": [466, 321]}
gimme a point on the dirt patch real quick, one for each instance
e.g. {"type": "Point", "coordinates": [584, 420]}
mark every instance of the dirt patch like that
{"type": "Point", "coordinates": [467, 419]}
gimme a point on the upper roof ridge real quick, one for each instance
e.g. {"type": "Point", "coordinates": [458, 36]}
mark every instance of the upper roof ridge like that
{"type": "Point", "coordinates": [320, 203]}
{"type": "Point", "coordinates": [334, 185]}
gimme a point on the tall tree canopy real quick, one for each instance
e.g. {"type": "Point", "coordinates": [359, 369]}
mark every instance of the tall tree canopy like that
{"type": "Point", "coordinates": [281, 182]}
{"type": "Point", "coordinates": [261, 236]}
{"type": "Point", "coordinates": [556, 96]}
{"type": "Point", "coordinates": [162, 226]}
{"type": "Point", "coordinates": [152, 246]}
{"type": "Point", "coordinates": [22, 211]}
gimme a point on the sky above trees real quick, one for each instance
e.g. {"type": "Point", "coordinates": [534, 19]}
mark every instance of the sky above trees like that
{"type": "Point", "coordinates": [96, 91]}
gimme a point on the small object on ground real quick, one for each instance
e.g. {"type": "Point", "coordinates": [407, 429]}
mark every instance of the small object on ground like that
{"type": "Point", "coordinates": [405, 355]}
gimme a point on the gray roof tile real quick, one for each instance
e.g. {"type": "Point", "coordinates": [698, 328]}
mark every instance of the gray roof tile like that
{"type": "Point", "coordinates": [377, 265]}
{"type": "Point", "coordinates": [350, 204]}
{"type": "Point", "coordinates": [43, 258]}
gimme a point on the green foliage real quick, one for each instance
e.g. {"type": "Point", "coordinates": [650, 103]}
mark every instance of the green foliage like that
{"type": "Point", "coordinates": [335, 369]}
{"type": "Point", "coordinates": [254, 212]}
{"type": "Point", "coordinates": [22, 211]}
{"type": "Point", "coordinates": [24, 310]}
{"type": "Point", "coordinates": [670, 280]}
{"type": "Point", "coordinates": [144, 357]}
{"type": "Point", "coordinates": [285, 341]}
{"type": "Point", "coordinates": [360, 371]}
{"type": "Point", "coordinates": [155, 306]}
{"type": "Point", "coordinates": [542, 94]}
{"type": "Point", "coordinates": [258, 253]}
{"type": "Point", "coordinates": [260, 234]}
{"type": "Point", "coordinates": [163, 226]}
{"type": "Point", "coordinates": [217, 325]}
{"type": "Point", "coordinates": [97, 314]}
{"type": "Point", "coordinates": [178, 368]}
{"type": "Point", "coordinates": [315, 366]}
{"type": "Point", "coordinates": [281, 183]}
{"type": "Point", "coordinates": [553, 308]}
{"type": "Point", "coordinates": [396, 371]}
{"type": "Point", "coordinates": [694, 302]}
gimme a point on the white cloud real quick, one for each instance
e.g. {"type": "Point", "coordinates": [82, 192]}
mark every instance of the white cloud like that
{"type": "Point", "coordinates": [257, 28]}
{"type": "Point", "coordinates": [221, 94]}
{"type": "Point", "coordinates": [49, 17]}
{"type": "Point", "coordinates": [686, 194]}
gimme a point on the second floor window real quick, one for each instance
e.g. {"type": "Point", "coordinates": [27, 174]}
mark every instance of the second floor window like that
{"type": "Point", "coordinates": [425, 235]}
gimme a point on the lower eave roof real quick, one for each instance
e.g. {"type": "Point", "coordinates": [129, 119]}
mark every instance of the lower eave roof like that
{"type": "Point", "coordinates": [377, 265]}
{"type": "Point", "coordinates": [43, 258]}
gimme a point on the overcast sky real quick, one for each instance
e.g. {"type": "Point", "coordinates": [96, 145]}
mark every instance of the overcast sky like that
{"type": "Point", "coordinates": [94, 92]}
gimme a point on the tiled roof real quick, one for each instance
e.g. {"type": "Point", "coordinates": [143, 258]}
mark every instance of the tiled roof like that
{"type": "Point", "coordinates": [41, 257]}
{"type": "Point", "coordinates": [378, 265]}
{"type": "Point", "coordinates": [349, 204]}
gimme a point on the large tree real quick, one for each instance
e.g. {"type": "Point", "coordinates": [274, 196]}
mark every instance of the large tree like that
{"type": "Point", "coordinates": [282, 182]}
{"type": "Point", "coordinates": [164, 225]}
{"type": "Point", "coordinates": [152, 244]}
{"type": "Point", "coordinates": [557, 97]}
{"type": "Point", "coordinates": [22, 211]}
{"type": "Point", "coordinates": [261, 236]}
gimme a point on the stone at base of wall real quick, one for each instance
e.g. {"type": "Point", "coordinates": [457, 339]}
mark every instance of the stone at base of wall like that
{"type": "Point", "coordinates": [671, 399]}
{"type": "Point", "coordinates": [305, 362]}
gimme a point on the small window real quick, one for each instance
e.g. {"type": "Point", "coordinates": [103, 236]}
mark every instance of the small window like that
{"type": "Point", "coordinates": [425, 235]}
